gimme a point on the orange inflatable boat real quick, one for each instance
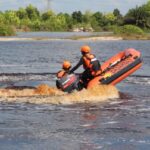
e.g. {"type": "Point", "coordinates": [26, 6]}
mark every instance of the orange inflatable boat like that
{"type": "Point", "coordinates": [118, 67]}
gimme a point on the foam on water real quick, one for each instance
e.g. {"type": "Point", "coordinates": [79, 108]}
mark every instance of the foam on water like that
{"type": "Point", "coordinates": [45, 94]}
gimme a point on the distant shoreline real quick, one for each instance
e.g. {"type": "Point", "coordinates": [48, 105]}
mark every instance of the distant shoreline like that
{"type": "Point", "coordinates": [102, 38]}
{"type": "Point", "coordinates": [88, 38]}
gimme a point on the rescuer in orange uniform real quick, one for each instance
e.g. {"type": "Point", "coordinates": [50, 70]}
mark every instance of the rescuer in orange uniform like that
{"type": "Point", "coordinates": [91, 65]}
{"type": "Point", "coordinates": [64, 72]}
{"type": "Point", "coordinates": [65, 69]}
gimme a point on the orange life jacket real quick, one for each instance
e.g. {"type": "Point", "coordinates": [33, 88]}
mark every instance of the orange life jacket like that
{"type": "Point", "coordinates": [61, 73]}
{"type": "Point", "coordinates": [87, 61]}
{"type": "Point", "coordinates": [87, 64]}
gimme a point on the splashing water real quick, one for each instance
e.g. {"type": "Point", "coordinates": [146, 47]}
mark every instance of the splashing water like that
{"type": "Point", "coordinates": [41, 90]}
{"type": "Point", "coordinates": [45, 94]}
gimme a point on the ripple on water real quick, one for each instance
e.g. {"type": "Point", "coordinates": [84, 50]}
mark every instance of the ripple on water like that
{"type": "Point", "coordinates": [138, 80]}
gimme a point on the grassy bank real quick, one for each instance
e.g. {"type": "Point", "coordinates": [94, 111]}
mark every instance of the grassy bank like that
{"type": "Point", "coordinates": [136, 37]}
{"type": "Point", "coordinates": [93, 36]}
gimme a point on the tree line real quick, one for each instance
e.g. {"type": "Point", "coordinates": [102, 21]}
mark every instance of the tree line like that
{"type": "Point", "coordinates": [31, 19]}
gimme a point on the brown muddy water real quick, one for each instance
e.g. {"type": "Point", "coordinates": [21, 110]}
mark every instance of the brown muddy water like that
{"type": "Point", "coordinates": [53, 96]}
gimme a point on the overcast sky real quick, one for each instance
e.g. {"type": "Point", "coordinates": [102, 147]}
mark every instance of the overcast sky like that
{"type": "Point", "coordinates": [74, 5]}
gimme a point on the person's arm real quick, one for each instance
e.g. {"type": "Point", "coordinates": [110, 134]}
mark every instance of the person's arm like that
{"type": "Point", "coordinates": [77, 65]}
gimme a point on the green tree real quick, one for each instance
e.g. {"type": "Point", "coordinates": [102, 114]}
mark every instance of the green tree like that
{"type": "Point", "coordinates": [35, 25]}
{"type": "Point", "coordinates": [47, 15]}
{"type": "Point", "coordinates": [116, 12]}
{"type": "Point", "coordinates": [95, 25]}
{"type": "Point", "coordinates": [147, 6]}
{"type": "Point", "coordinates": [32, 12]}
{"type": "Point", "coordinates": [137, 16]}
{"type": "Point", "coordinates": [22, 14]}
{"type": "Point", "coordinates": [110, 17]}
{"type": "Point", "coordinates": [61, 20]}
{"type": "Point", "coordinates": [147, 9]}
{"type": "Point", "coordinates": [99, 18]}
{"type": "Point", "coordinates": [77, 17]}
{"type": "Point", "coordinates": [87, 17]}
{"type": "Point", "coordinates": [25, 24]}
{"type": "Point", "coordinates": [55, 23]}
{"type": "Point", "coordinates": [2, 18]}
{"type": "Point", "coordinates": [11, 18]}
{"type": "Point", "coordinates": [69, 21]}
{"type": "Point", "coordinates": [119, 17]}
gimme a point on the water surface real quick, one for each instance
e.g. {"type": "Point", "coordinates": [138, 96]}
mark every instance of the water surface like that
{"type": "Point", "coordinates": [117, 124]}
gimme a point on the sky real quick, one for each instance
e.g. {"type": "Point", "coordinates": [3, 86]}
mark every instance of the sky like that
{"type": "Point", "coordinates": [70, 6]}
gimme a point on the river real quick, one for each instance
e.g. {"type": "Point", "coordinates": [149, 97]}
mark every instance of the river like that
{"type": "Point", "coordinates": [116, 124]}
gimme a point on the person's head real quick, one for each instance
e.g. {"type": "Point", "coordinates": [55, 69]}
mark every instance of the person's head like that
{"type": "Point", "coordinates": [66, 65]}
{"type": "Point", "coordinates": [85, 49]}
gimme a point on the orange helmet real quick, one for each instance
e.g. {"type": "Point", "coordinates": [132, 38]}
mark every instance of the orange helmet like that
{"type": "Point", "coordinates": [66, 65]}
{"type": "Point", "coordinates": [85, 49]}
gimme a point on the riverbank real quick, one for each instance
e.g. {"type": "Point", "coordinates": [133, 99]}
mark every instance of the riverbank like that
{"type": "Point", "coordinates": [88, 38]}
{"type": "Point", "coordinates": [103, 38]}
{"type": "Point", "coordinates": [26, 39]}
{"type": "Point", "coordinates": [112, 37]}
